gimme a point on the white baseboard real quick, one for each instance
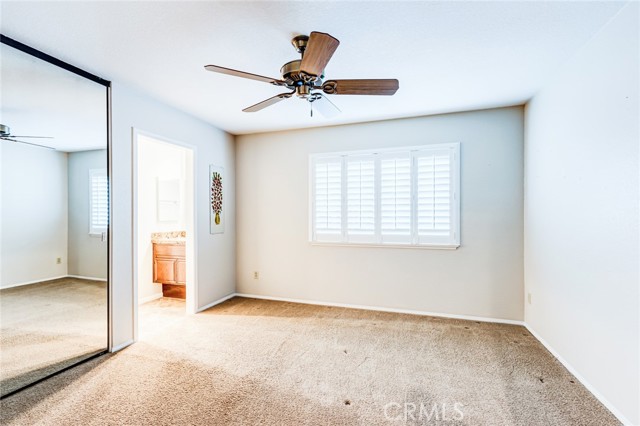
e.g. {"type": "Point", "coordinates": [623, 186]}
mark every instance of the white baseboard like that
{"type": "Point", "coordinates": [121, 346]}
{"type": "Point", "coordinates": [217, 302]}
{"type": "Point", "coordinates": [581, 379]}
{"type": "Point", "coordinates": [53, 278]}
{"type": "Point", "coordinates": [150, 298]}
{"type": "Point", "coordinates": [87, 278]}
{"type": "Point", "coordinates": [34, 282]}
{"type": "Point", "coordinates": [381, 309]}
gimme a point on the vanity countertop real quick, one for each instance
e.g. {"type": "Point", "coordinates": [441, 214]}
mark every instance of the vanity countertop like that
{"type": "Point", "coordinates": [174, 237]}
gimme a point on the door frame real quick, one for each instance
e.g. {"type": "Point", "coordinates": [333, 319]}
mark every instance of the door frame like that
{"type": "Point", "coordinates": [192, 235]}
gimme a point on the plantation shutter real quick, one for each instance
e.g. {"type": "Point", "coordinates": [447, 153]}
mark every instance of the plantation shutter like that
{"type": "Point", "coordinates": [435, 195]}
{"type": "Point", "coordinates": [99, 201]}
{"type": "Point", "coordinates": [327, 199]}
{"type": "Point", "coordinates": [395, 198]}
{"type": "Point", "coordinates": [390, 197]}
{"type": "Point", "coordinates": [360, 198]}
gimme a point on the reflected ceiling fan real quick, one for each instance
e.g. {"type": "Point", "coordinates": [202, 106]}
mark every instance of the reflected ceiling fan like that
{"type": "Point", "coordinates": [5, 135]}
{"type": "Point", "coordinates": [305, 77]}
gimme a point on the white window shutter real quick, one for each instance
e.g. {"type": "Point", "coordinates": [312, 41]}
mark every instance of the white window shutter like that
{"type": "Point", "coordinates": [395, 198]}
{"type": "Point", "coordinates": [327, 199]}
{"type": "Point", "coordinates": [435, 194]}
{"type": "Point", "coordinates": [99, 201]}
{"type": "Point", "coordinates": [404, 196]}
{"type": "Point", "coordinates": [360, 198]}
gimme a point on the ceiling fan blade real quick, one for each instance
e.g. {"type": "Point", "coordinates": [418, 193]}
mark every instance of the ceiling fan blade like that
{"type": "Point", "coordinates": [324, 106]}
{"type": "Point", "coordinates": [236, 73]}
{"type": "Point", "coordinates": [268, 102]}
{"type": "Point", "coordinates": [386, 87]}
{"type": "Point", "coordinates": [38, 137]}
{"type": "Point", "coordinates": [28, 143]}
{"type": "Point", "coordinates": [318, 52]}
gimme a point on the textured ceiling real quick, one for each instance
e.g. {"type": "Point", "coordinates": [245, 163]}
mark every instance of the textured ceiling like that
{"type": "Point", "coordinates": [448, 56]}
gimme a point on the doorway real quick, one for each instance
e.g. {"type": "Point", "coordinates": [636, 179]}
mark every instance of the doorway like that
{"type": "Point", "coordinates": [164, 218]}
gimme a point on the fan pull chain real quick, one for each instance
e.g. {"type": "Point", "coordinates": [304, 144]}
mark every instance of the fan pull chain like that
{"type": "Point", "coordinates": [311, 106]}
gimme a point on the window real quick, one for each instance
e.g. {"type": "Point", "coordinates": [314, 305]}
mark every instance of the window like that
{"type": "Point", "coordinates": [360, 198]}
{"type": "Point", "coordinates": [405, 197]}
{"type": "Point", "coordinates": [98, 201]}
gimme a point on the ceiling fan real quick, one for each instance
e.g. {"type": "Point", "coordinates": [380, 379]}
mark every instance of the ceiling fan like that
{"type": "Point", "coordinates": [305, 77]}
{"type": "Point", "coordinates": [5, 135]}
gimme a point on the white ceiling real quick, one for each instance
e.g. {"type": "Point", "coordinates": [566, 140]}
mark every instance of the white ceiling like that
{"type": "Point", "coordinates": [448, 56]}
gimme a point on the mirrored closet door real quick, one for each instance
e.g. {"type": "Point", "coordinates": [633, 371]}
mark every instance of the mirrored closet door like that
{"type": "Point", "coordinates": [54, 216]}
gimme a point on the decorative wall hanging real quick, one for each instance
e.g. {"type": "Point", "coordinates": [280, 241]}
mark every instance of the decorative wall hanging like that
{"type": "Point", "coordinates": [216, 195]}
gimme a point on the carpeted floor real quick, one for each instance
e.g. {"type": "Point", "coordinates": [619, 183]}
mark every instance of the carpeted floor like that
{"type": "Point", "coordinates": [248, 362]}
{"type": "Point", "coordinates": [48, 326]}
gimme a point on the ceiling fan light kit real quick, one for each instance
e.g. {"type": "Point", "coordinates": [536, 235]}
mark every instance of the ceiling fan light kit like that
{"type": "Point", "coordinates": [304, 77]}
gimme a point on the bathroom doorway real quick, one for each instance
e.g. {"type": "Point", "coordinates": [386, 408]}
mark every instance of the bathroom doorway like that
{"type": "Point", "coordinates": [164, 218]}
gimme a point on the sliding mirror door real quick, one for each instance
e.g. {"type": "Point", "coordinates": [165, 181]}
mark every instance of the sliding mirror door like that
{"type": "Point", "coordinates": [54, 216]}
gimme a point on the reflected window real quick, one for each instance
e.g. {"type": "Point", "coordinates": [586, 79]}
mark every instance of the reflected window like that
{"type": "Point", "coordinates": [99, 199]}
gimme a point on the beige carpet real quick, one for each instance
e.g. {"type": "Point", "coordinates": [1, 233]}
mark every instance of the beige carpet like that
{"type": "Point", "coordinates": [249, 362]}
{"type": "Point", "coordinates": [48, 326]}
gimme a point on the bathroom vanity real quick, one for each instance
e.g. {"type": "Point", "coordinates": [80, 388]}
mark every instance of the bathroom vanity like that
{"type": "Point", "coordinates": [169, 264]}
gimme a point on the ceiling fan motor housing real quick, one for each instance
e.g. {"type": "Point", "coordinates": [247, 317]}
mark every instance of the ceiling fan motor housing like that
{"type": "Point", "coordinates": [291, 74]}
{"type": "Point", "coordinates": [296, 80]}
{"type": "Point", "coordinates": [4, 130]}
{"type": "Point", "coordinates": [299, 81]}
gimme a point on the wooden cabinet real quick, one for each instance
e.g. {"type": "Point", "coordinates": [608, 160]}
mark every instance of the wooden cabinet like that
{"type": "Point", "coordinates": [170, 269]}
{"type": "Point", "coordinates": [181, 271]}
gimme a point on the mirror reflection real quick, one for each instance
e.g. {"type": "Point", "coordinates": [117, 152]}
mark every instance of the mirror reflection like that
{"type": "Point", "coordinates": [53, 219]}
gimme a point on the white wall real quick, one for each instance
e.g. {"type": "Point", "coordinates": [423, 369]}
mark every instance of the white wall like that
{"type": "Point", "coordinates": [87, 253]}
{"type": "Point", "coordinates": [482, 278]}
{"type": "Point", "coordinates": [581, 226]}
{"type": "Point", "coordinates": [216, 253]}
{"type": "Point", "coordinates": [156, 160]}
{"type": "Point", "coordinates": [34, 214]}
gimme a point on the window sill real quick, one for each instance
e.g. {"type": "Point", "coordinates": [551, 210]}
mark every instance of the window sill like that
{"type": "Point", "coordinates": [396, 246]}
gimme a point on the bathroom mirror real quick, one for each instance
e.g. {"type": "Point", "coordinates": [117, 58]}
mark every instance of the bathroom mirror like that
{"type": "Point", "coordinates": [54, 216]}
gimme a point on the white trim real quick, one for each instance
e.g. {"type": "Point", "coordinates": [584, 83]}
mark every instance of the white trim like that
{"type": "Point", "coordinates": [216, 302]}
{"type": "Point", "coordinates": [110, 226]}
{"type": "Point", "coordinates": [390, 150]}
{"type": "Point", "coordinates": [192, 237]}
{"type": "Point", "coordinates": [134, 232]}
{"type": "Point", "coordinates": [122, 346]}
{"type": "Point", "coordinates": [388, 245]}
{"type": "Point", "coordinates": [381, 309]}
{"type": "Point", "coordinates": [34, 282]}
{"type": "Point", "coordinates": [150, 298]}
{"type": "Point", "coordinates": [87, 278]}
{"type": "Point", "coordinates": [608, 405]}
{"type": "Point", "coordinates": [54, 278]}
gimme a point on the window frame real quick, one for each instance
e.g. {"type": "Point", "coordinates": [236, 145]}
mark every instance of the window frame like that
{"type": "Point", "coordinates": [450, 242]}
